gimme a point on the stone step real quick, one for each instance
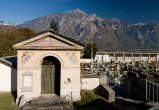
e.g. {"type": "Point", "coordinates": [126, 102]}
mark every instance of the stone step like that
{"type": "Point", "coordinates": [55, 107]}
{"type": "Point", "coordinates": [46, 100]}
{"type": "Point", "coordinates": [67, 106]}
{"type": "Point", "coordinates": [47, 103]}
{"type": "Point", "coordinates": [47, 107]}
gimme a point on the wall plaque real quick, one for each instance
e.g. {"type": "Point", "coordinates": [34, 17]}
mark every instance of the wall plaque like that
{"type": "Point", "coordinates": [27, 82]}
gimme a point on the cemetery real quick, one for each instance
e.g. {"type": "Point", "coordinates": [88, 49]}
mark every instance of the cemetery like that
{"type": "Point", "coordinates": [136, 80]}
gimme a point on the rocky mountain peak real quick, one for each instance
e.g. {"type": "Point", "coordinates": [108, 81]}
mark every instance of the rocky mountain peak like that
{"type": "Point", "coordinates": [80, 11]}
{"type": "Point", "coordinates": [108, 33]}
{"type": "Point", "coordinates": [76, 11]}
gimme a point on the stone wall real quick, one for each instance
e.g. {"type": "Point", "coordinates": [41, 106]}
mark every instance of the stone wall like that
{"type": "Point", "coordinates": [89, 83]}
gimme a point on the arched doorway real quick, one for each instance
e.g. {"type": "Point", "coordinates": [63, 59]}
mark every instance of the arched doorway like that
{"type": "Point", "coordinates": [50, 75]}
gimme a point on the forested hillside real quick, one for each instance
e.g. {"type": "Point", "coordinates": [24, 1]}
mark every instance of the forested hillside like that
{"type": "Point", "coordinates": [9, 35]}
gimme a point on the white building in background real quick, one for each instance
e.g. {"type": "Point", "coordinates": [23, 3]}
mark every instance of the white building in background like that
{"type": "Point", "coordinates": [102, 58]}
{"type": "Point", "coordinates": [126, 56]}
{"type": "Point", "coordinates": [8, 74]}
{"type": "Point", "coordinates": [85, 60]}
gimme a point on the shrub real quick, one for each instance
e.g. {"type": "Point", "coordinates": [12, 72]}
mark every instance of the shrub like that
{"type": "Point", "coordinates": [87, 96]}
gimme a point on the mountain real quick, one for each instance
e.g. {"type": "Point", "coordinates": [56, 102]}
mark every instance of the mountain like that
{"type": "Point", "coordinates": [108, 33]}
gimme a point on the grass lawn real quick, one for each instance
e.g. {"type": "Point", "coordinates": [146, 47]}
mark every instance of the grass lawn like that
{"type": "Point", "coordinates": [7, 101]}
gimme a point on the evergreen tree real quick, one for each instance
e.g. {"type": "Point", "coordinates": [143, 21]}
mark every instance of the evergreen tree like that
{"type": "Point", "coordinates": [87, 50]}
{"type": "Point", "coordinates": [53, 25]}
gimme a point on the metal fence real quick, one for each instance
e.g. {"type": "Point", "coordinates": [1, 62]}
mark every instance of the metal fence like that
{"type": "Point", "coordinates": [152, 92]}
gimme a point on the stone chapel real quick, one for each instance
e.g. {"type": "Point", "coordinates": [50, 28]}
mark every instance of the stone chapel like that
{"type": "Point", "coordinates": [48, 63]}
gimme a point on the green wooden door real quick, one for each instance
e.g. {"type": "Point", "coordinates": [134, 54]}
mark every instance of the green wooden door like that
{"type": "Point", "coordinates": [48, 79]}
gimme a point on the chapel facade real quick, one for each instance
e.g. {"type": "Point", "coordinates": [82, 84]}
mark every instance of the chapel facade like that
{"type": "Point", "coordinates": [48, 63]}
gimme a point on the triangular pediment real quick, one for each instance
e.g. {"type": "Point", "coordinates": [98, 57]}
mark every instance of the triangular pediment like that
{"type": "Point", "coordinates": [48, 40]}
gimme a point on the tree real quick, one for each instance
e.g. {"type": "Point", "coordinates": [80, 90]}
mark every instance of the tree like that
{"type": "Point", "coordinates": [1, 22]}
{"type": "Point", "coordinates": [53, 25]}
{"type": "Point", "coordinates": [10, 35]}
{"type": "Point", "coordinates": [87, 50]}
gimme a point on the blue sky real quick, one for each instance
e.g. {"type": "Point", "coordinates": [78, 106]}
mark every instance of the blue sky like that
{"type": "Point", "coordinates": [131, 11]}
